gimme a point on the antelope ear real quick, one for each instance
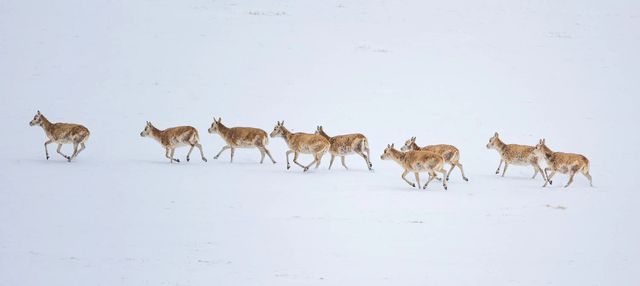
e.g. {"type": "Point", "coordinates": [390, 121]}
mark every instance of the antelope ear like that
{"type": "Point", "coordinates": [392, 145]}
{"type": "Point", "coordinates": [388, 145]}
{"type": "Point", "coordinates": [219, 119]}
{"type": "Point", "coordinates": [413, 138]}
{"type": "Point", "coordinates": [282, 123]}
{"type": "Point", "coordinates": [543, 141]}
{"type": "Point", "coordinates": [39, 112]}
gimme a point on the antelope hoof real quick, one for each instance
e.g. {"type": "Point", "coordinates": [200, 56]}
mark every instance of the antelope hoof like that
{"type": "Point", "coordinates": [498, 171]}
{"type": "Point", "coordinates": [47, 157]}
{"type": "Point", "coordinates": [288, 166]}
{"type": "Point", "coordinates": [550, 182]}
{"type": "Point", "coordinates": [187, 159]}
{"type": "Point", "coordinates": [413, 185]}
{"type": "Point", "coordinates": [216, 157]}
{"type": "Point", "coordinates": [465, 179]}
{"type": "Point", "coordinates": [69, 159]}
{"type": "Point", "coordinates": [445, 188]}
{"type": "Point", "coordinates": [177, 160]}
{"type": "Point", "coordinates": [306, 169]}
{"type": "Point", "coordinates": [204, 159]}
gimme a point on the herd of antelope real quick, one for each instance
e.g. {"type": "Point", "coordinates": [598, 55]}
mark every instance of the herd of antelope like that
{"type": "Point", "coordinates": [411, 157]}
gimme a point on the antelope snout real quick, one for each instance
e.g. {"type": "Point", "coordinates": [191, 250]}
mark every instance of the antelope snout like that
{"type": "Point", "coordinates": [142, 134]}
{"type": "Point", "coordinates": [488, 146]}
{"type": "Point", "coordinates": [209, 130]}
{"type": "Point", "coordinates": [31, 123]}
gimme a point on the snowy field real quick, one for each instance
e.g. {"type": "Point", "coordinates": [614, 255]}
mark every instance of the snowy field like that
{"type": "Point", "coordinates": [445, 71]}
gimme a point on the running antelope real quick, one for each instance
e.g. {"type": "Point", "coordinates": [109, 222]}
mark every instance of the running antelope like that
{"type": "Point", "coordinates": [171, 138]}
{"type": "Point", "coordinates": [449, 153]}
{"type": "Point", "coordinates": [516, 155]}
{"type": "Point", "coordinates": [302, 143]}
{"type": "Point", "coordinates": [62, 133]}
{"type": "Point", "coordinates": [241, 137]}
{"type": "Point", "coordinates": [416, 162]}
{"type": "Point", "coordinates": [563, 163]}
{"type": "Point", "coordinates": [343, 145]}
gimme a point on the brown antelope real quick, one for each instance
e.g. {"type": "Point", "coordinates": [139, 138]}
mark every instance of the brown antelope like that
{"type": "Point", "coordinates": [563, 163]}
{"type": "Point", "coordinates": [241, 137]}
{"type": "Point", "coordinates": [302, 143]}
{"type": "Point", "coordinates": [62, 133]}
{"type": "Point", "coordinates": [343, 145]}
{"type": "Point", "coordinates": [449, 153]}
{"type": "Point", "coordinates": [514, 154]}
{"type": "Point", "coordinates": [416, 162]}
{"type": "Point", "coordinates": [171, 138]}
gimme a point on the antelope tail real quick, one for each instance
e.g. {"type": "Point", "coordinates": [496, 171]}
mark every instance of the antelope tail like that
{"type": "Point", "coordinates": [364, 145]}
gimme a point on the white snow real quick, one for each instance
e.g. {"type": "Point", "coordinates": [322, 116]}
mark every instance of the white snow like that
{"type": "Point", "coordinates": [445, 71]}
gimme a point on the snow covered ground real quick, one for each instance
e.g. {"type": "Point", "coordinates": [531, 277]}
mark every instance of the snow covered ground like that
{"type": "Point", "coordinates": [445, 71]}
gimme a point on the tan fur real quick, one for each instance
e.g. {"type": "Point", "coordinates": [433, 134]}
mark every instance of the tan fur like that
{"type": "Point", "coordinates": [416, 162]}
{"type": "Point", "coordinates": [449, 153]}
{"type": "Point", "coordinates": [513, 154]}
{"type": "Point", "coordinates": [62, 133]}
{"type": "Point", "coordinates": [343, 145]}
{"type": "Point", "coordinates": [302, 143]}
{"type": "Point", "coordinates": [171, 138]}
{"type": "Point", "coordinates": [241, 137]}
{"type": "Point", "coordinates": [565, 163]}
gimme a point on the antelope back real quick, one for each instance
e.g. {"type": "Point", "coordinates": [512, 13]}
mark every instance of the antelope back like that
{"type": "Point", "coordinates": [246, 137]}
{"type": "Point", "coordinates": [176, 136]}
{"type": "Point", "coordinates": [448, 152]}
{"type": "Point", "coordinates": [308, 143]}
{"type": "Point", "coordinates": [345, 144]}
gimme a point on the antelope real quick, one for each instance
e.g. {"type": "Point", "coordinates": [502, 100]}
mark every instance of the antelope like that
{"type": "Point", "coordinates": [563, 163]}
{"type": "Point", "coordinates": [348, 144]}
{"type": "Point", "coordinates": [171, 138]}
{"type": "Point", "coordinates": [302, 143]}
{"type": "Point", "coordinates": [241, 137]}
{"type": "Point", "coordinates": [515, 154]}
{"type": "Point", "coordinates": [417, 161]}
{"type": "Point", "coordinates": [62, 133]}
{"type": "Point", "coordinates": [449, 153]}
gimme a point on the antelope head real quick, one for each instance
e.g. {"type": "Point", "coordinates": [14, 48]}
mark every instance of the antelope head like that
{"type": "Point", "coordinates": [388, 152]}
{"type": "Point", "coordinates": [279, 130]}
{"type": "Point", "coordinates": [37, 119]}
{"type": "Point", "coordinates": [408, 145]}
{"type": "Point", "coordinates": [541, 148]}
{"type": "Point", "coordinates": [147, 130]}
{"type": "Point", "coordinates": [493, 141]}
{"type": "Point", "coordinates": [215, 126]}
